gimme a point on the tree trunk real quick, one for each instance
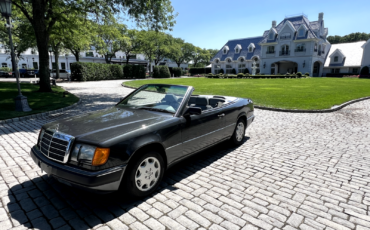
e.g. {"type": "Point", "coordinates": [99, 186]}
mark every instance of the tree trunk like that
{"type": "Point", "coordinates": [56, 54]}
{"type": "Point", "coordinates": [42, 40]}
{"type": "Point", "coordinates": [178, 64]}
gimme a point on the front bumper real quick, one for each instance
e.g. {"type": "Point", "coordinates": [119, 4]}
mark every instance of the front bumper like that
{"type": "Point", "coordinates": [107, 180]}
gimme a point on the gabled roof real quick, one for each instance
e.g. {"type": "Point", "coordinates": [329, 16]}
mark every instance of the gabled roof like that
{"type": "Point", "coordinates": [296, 22]}
{"type": "Point", "coordinates": [244, 42]}
{"type": "Point", "coordinates": [351, 51]}
{"type": "Point", "coordinates": [337, 52]}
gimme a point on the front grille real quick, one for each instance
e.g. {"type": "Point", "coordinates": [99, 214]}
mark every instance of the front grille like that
{"type": "Point", "coordinates": [55, 145]}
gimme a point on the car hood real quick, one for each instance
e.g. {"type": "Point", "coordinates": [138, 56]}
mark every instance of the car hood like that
{"type": "Point", "coordinates": [107, 123]}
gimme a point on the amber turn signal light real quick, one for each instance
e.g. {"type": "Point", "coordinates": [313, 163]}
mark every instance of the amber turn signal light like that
{"type": "Point", "coordinates": [101, 156]}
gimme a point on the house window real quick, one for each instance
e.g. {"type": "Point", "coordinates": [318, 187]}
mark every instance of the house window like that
{"type": "Point", "coordinates": [35, 65]}
{"type": "Point", "coordinates": [229, 60]}
{"type": "Point", "coordinates": [229, 69]}
{"type": "Point", "coordinates": [217, 69]}
{"type": "Point", "coordinates": [241, 68]}
{"type": "Point", "coordinates": [315, 48]}
{"type": "Point", "coordinates": [301, 32]}
{"type": "Point", "coordinates": [63, 65]}
{"type": "Point", "coordinates": [271, 49]}
{"type": "Point", "coordinates": [271, 36]}
{"type": "Point", "coordinates": [335, 70]}
{"type": "Point", "coordinates": [225, 51]}
{"type": "Point", "coordinates": [285, 50]}
{"type": "Point", "coordinates": [250, 49]}
{"type": "Point", "coordinates": [241, 59]}
{"type": "Point", "coordinates": [54, 65]}
{"type": "Point", "coordinates": [4, 64]}
{"type": "Point", "coordinates": [336, 59]}
{"type": "Point", "coordinates": [285, 36]}
{"type": "Point", "coordinates": [89, 54]}
{"type": "Point", "coordinates": [24, 66]}
{"type": "Point", "coordinates": [237, 50]}
{"type": "Point", "coordinates": [217, 61]}
{"type": "Point", "coordinates": [355, 70]}
{"type": "Point", "coordinates": [300, 47]}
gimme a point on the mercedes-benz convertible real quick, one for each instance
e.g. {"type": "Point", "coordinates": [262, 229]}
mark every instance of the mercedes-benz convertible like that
{"type": "Point", "coordinates": [130, 145]}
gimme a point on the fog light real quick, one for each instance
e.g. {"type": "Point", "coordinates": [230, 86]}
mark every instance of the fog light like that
{"type": "Point", "coordinates": [101, 156]}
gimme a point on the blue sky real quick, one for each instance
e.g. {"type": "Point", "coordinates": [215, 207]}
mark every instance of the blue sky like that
{"type": "Point", "coordinates": [211, 23]}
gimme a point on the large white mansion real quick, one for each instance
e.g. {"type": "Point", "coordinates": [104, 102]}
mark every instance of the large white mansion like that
{"type": "Point", "coordinates": [294, 45]}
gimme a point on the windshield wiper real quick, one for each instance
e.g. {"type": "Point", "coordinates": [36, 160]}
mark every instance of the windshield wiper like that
{"type": "Point", "coordinates": [156, 109]}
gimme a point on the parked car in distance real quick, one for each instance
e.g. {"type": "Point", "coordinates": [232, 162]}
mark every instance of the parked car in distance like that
{"type": "Point", "coordinates": [130, 145]}
{"type": "Point", "coordinates": [5, 74]}
{"type": "Point", "coordinates": [63, 74]}
{"type": "Point", "coordinates": [25, 73]}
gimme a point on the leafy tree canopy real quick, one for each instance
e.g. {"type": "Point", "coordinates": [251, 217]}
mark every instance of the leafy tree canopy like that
{"type": "Point", "coordinates": [353, 37]}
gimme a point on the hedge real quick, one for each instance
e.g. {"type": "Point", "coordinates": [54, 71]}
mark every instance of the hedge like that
{"type": "Point", "coordinates": [240, 75]}
{"type": "Point", "coordinates": [161, 72]}
{"type": "Point", "coordinates": [87, 71]}
{"type": "Point", "coordinates": [134, 71]}
{"type": "Point", "coordinates": [194, 71]}
{"type": "Point", "coordinates": [365, 70]}
{"type": "Point", "coordinates": [175, 71]}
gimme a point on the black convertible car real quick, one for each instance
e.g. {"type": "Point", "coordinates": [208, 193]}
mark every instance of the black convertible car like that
{"type": "Point", "coordinates": [131, 144]}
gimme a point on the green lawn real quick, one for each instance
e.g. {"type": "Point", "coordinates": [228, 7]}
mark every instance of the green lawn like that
{"type": "Point", "coordinates": [306, 93]}
{"type": "Point", "coordinates": [39, 102]}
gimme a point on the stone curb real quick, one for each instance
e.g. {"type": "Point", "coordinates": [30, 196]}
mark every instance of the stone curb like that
{"type": "Point", "coordinates": [40, 115]}
{"type": "Point", "coordinates": [301, 110]}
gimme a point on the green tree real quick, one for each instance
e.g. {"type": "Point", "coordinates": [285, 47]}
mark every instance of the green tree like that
{"type": "Point", "coordinates": [22, 32]}
{"type": "Point", "coordinates": [181, 51]}
{"type": "Point", "coordinates": [44, 14]}
{"type": "Point", "coordinates": [109, 38]}
{"type": "Point", "coordinates": [147, 46]}
{"type": "Point", "coordinates": [162, 42]}
{"type": "Point", "coordinates": [353, 37]}
{"type": "Point", "coordinates": [129, 43]}
{"type": "Point", "coordinates": [201, 56]}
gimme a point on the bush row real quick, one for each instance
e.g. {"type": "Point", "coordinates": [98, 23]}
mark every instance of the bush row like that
{"type": "Point", "coordinates": [87, 71]}
{"type": "Point", "coordinates": [198, 70]}
{"type": "Point", "coordinates": [241, 75]}
{"type": "Point", "coordinates": [175, 71]}
{"type": "Point", "coordinates": [161, 72]}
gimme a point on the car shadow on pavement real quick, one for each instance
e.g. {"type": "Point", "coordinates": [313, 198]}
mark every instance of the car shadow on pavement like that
{"type": "Point", "coordinates": [44, 203]}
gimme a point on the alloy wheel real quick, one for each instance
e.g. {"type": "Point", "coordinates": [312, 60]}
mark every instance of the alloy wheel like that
{"type": "Point", "coordinates": [147, 174]}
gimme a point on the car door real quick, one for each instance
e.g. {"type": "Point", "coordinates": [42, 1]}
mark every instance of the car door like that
{"type": "Point", "coordinates": [200, 131]}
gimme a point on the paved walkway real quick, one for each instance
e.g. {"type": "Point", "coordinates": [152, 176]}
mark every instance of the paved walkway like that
{"type": "Point", "coordinates": [294, 171]}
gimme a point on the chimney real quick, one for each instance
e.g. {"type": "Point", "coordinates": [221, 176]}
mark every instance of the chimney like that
{"type": "Point", "coordinates": [321, 16]}
{"type": "Point", "coordinates": [273, 24]}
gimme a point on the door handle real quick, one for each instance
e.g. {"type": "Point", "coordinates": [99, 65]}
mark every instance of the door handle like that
{"type": "Point", "coordinates": [221, 115]}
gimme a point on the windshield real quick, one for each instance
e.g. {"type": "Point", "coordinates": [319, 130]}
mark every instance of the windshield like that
{"type": "Point", "coordinates": [162, 98]}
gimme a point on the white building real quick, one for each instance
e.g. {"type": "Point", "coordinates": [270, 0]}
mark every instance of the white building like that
{"type": "Point", "coordinates": [29, 59]}
{"type": "Point", "coordinates": [294, 45]}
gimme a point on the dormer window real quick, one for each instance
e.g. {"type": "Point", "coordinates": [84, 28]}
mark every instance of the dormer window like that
{"type": "Point", "coordinates": [226, 49]}
{"type": "Point", "coordinates": [251, 47]}
{"type": "Point", "coordinates": [336, 59]}
{"type": "Point", "coordinates": [301, 32]}
{"type": "Point", "coordinates": [217, 61]}
{"type": "Point", "coordinates": [237, 48]}
{"type": "Point", "coordinates": [271, 36]}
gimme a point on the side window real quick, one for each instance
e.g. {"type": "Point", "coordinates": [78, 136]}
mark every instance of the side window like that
{"type": "Point", "coordinates": [336, 59]}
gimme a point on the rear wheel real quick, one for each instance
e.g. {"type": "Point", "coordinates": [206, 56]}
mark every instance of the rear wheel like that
{"type": "Point", "coordinates": [239, 132]}
{"type": "Point", "coordinates": [144, 174]}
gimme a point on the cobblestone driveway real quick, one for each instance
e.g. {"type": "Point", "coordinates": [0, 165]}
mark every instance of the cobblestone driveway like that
{"type": "Point", "coordinates": [294, 171]}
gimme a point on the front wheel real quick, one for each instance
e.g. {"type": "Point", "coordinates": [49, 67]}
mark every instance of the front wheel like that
{"type": "Point", "coordinates": [239, 132]}
{"type": "Point", "coordinates": [144, 175]}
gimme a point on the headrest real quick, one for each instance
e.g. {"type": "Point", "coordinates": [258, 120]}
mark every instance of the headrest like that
{"type": "Point", "coordinates": [170, 98]}
{"type": "Point", "coordinates": [191, 100]}
{"type": "Point", "coordinates": [201, 101]}
{"type": "Point", "coordinates": [214, 101]}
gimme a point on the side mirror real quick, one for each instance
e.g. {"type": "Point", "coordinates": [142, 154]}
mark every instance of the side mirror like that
{"type": "Point", "coordinates": [193, 111]}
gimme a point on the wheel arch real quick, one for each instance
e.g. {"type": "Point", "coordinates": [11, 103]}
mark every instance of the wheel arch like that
{"type": "Point", "coordinates": [153, 146]}
{"type": "Point", "coordinates": [243, 115]}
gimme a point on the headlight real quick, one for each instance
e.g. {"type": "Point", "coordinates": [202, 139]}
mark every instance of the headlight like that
{"type": "Point", "coordinates": [90, 154]}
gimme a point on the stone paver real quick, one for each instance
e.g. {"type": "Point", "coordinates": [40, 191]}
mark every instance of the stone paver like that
{"type": "Point", "coordinates": [294, 171]}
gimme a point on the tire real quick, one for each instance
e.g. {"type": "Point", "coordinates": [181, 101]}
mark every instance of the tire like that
{"type": "Point", "coordinates": [239, 133]}
{"type": "Point", "coordinates": [136, 182]}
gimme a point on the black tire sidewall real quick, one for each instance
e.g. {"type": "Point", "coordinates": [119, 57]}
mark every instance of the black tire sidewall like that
{"type": "Point", "coordinates": [129, 184]}
{"type": "Point", "coordinates": [233, 139]}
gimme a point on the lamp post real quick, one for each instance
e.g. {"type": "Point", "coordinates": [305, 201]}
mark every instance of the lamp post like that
{"type": "Point", "coordinates": [51, 59]}
{"type": "Point", "coordinates": [21, 103]}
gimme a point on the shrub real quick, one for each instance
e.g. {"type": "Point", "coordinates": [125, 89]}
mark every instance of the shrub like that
{"type": "Point", "coordinates": [177, 71]}
{"type": "Point", "coordinates": [197, 70]}
{"type": "Point", "coordinates": [87, 71]}
{"type": "Point", "coordinates": [240, 75]}
{"type": "Point", "coordinates": [134, 71]}
{"type": "Point", "coordinates": [6, 69]}
{"type": "Point", "coordinates": [233, 71]}
{"type": "Point", "coordinates": [164, 72]}
{"type": "Point", "coordinates": [365, 70]}
{"type": "Point", "coordinates": [299, 74]}
{"type": "Point", "coordinates": [307, 74]}
{"type": "Point", "coordinates": [246, 71]}
{"type": "Point", "coordinates": [222, 71]}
